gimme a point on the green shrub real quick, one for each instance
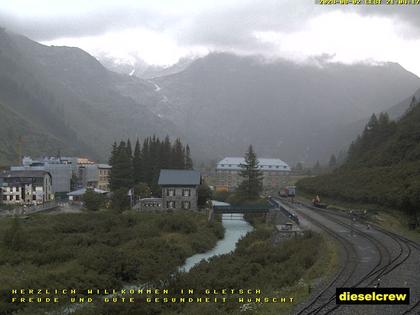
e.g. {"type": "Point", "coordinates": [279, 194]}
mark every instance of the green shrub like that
{"type": "Point", "coordinates": [174, 223]}
{"type": "Point", "coordinates": [93, 201]}
{"type": "Point", "coordinates": [120, 201]}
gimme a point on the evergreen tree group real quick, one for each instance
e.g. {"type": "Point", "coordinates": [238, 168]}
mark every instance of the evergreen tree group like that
{"type": "Point", "coordinates": [143, 164]}
{"type": "Point", "coordinates": [377, 131]}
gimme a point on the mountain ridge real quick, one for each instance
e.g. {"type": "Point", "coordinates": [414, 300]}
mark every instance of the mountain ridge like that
{"type": "Point", "coordinates": [219, 104]}
{"type": "Point", "coordinates": [312, 97]}
{"type": "Point", "coordinates": [70, 93]}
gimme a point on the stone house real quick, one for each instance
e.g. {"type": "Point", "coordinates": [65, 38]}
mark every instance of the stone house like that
{"type": "Point", "coordinates": [179, 189]}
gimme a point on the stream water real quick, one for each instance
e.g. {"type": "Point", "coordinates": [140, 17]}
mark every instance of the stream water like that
{"type": "Point", "coordinates": [235, 228]}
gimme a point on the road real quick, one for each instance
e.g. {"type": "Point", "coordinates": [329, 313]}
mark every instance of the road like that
{"type": "Point", "coordinates": [368, 257]}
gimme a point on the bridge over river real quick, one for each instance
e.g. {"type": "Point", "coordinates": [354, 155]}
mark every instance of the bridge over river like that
{"type": "Point", "coordinates": [223, 209]}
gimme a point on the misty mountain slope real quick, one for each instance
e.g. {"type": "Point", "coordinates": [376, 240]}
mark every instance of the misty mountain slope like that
{"type": "Point", "coordinates": [35, 139]}
{"type": "Point", "coordinates": [383, 166]}
{"type": "Point", "coordinates": [353, 129]}
{"type": "Point", "coordinates": [72, 95]}
{"type": "Point", "coordinates": [286, 110]}
{"type": "Point", "coordinates": [398, 110]}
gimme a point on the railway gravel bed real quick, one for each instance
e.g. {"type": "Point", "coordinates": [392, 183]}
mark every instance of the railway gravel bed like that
{"type": "Point", "coordinates": [370, 256]}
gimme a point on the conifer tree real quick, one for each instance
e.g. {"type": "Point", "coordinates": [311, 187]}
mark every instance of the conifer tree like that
{"type": "Point", "coordinates": [137, 163]}
{"type": "Point", "coordinates": [373, 122]}
{"type": "Point", "coordinates": [188, 160]}
{"type": "Point", "coordinates": [178, 159]}
{"type": "Point", "coordinates": [251, 186]}
{"type": "Point", "coordinates": [122, 168]}
{"type": "Point", "coordinates": [147, 161]}
{"type": "Point", "coordinates": [333, 161]}
{"type": "Point", "coordinates": [413, 103]}
{"type": "Point", "coordinates": [113, 153]}
{"type": "Point", "coordinates": [155, 164]}
{"type": "Point", "coordinates": [129, 148]}
{"type": "Point", "coordinates": [165, 153]}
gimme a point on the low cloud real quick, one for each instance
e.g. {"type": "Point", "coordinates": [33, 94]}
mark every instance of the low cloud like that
{"type": "Point", "coordinates": [291, 29]}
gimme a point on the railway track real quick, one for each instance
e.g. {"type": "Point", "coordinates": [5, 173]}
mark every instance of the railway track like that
{"type": "Point", "coordinates": [404, 252]}
{"type": "Point", "coordinates": [324, 301]}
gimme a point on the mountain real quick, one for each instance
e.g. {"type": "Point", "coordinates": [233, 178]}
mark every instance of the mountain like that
{"type": "Point", "coordinates": [68, 96]}
{"type": "Point", "coordinates": [383, 166]}
{"type": "Point", "coordinates": [219, 104]}
{"type": "Point", "coordinates": [37, 140]}
{"type": "Point", "coordinates": [295, 112]}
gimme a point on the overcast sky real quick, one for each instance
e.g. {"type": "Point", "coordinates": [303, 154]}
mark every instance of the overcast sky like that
{"type": "Point", "coordinates": [162, 31]}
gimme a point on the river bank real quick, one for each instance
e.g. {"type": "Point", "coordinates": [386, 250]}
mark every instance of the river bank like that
{"type": "Point", "coordinates": [235, 229]}
{"type": "Point", "coordinates": [101, 249]}
{"type": "Point", "coordinates": [259, 277]}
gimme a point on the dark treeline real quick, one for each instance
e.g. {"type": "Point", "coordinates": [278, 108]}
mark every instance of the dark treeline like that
{"type": "Point", "coordinates": [143, 163]}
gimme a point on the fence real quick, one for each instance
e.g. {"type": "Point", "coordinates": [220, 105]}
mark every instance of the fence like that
{"type": "Point", "coordinates": [25, 210]}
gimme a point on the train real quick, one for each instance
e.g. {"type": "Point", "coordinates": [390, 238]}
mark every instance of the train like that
{"type": "Point", "coordinates": [316, 202]}
{"type": "Point", "coordinates": [288, 192]}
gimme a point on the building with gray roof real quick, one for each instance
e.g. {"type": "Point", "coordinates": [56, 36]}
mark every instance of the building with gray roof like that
{"type": "Point", "coordinates": [25, 187]}
{"type": "Point", "coordinates": [61, 171]}
{"type": "Point", "coordinates": [276, 173]}
{"type": "Point", "coordinates": [179, 189]}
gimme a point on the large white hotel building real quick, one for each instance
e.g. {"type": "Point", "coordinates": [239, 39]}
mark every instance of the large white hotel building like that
{"type": "Point", "coordinates": [276, 174]}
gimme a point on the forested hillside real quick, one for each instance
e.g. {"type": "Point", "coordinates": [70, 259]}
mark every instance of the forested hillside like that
{"type": "Point", "coordinates": [383, 166]}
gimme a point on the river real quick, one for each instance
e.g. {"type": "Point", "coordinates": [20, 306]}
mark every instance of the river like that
{"type": "Point", "coordinates": [234, 230]}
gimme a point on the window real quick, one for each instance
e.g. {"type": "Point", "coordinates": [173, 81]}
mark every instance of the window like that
{"type": "Point", "coordinates": [17, 197]}
{"type": "Point", "coordinates": [186, 192]}
{"type": "Point", "coordinates": [34, 197]}
{"type": "Point", "coordinates": [170, 204]}
{"type": "Point", "coordinates": [186, 205]}
{"type": "Point", "coordinates": [5, 198]}
{"type": "Point", "coordinates": [277, 166]}
{"type": "Point", "coordinates": [170, 192]}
